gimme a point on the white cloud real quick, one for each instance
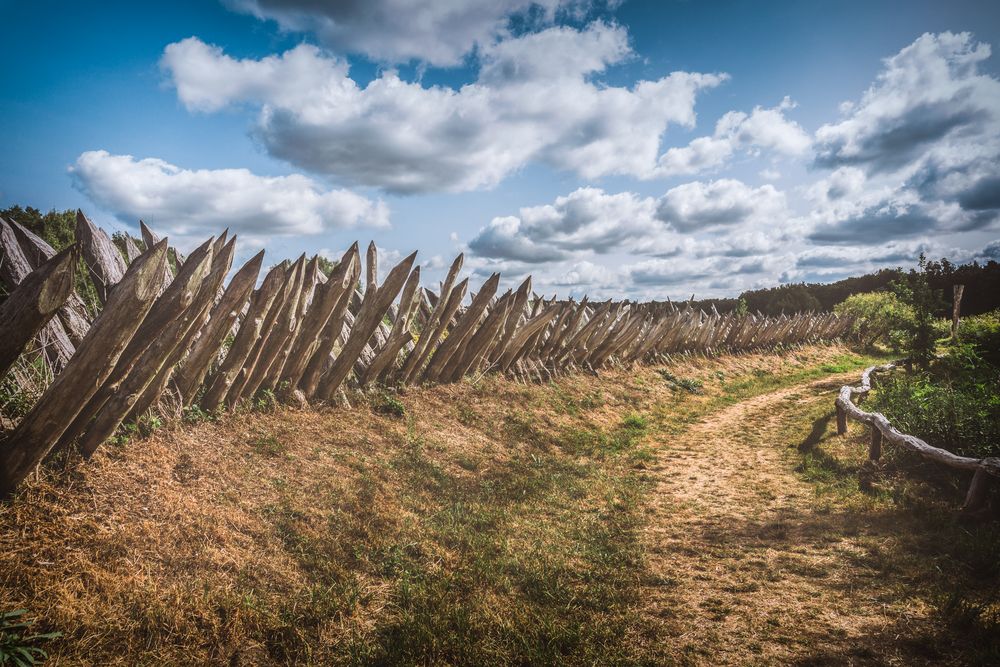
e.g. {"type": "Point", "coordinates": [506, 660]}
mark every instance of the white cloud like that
{"type": "Point", "coordinates": [590, 222]}
{"type": "Point", "coordinates": [918, 154]}
{"type": "Point", "coordinates": [534, 99]}
{"type": "Point", "coordinates": [763, 129]}
{"type": "Point", "coordinates": [930, 91]}
{"type": "Point", "coordinates": [586, 220]}
{"type": "Point", "coordinates": [184, 201]}
{"type": "Point", "coordinates": [699, 205]}
{"type": "Point", "coordinates": [438, 33]}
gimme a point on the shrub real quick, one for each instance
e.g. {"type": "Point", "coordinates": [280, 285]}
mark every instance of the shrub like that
{"type": "Point", "coordinates": [880, 317]}
{"type": "Point", "coordinates": [922, 333]}
{"type": "Point", "coordinates": [955, 405]}
{"type": "Point", "coordinates": [982, 332]}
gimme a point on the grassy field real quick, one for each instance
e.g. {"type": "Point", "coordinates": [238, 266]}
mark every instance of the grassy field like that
{"type": "Point", "coordinates": [478, 523]}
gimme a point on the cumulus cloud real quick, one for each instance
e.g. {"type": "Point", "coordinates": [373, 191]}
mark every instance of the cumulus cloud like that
{"type": "Point", "coordinates": [592, 221]}
{"type": "Point", "coordinates": [586, 219]}
{"type": "Point", "coordinates": [920, 151]}
{"type": "Point", "coordinates": [184, 201]}
{"type": "Point", "coordinates": [438, 33]}
{"type": "Point", "coordinates": [930, 91]}
{"type": "Point", "coordinates": [534, 99]}
{"type": "Point", "coordinates": [840, 257]}
{"type": "Point", "coordinates": [876, 225]}
{"type": "Point", "coordinates": [761, 130]}
{"type": "Point", "coordinates": [698, 205]}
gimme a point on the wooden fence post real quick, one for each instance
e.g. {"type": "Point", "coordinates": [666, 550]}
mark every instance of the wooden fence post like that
{"type": "Point", "coordinates": [841, 420]}
{"type": "Point", "coordinates": [93, 362]}
{"type": "Point", "coordinates": [875, 448]}
{"type": "Point", "coordinates": [956, 308]}
{"type": "Point", "coordinates": [31, 305]}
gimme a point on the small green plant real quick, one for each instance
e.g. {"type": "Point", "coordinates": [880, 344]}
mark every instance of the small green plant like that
{"type": "Point", "coordinates": [17, 644]}
{"type": "Point", "coordinates": [266, 444]}
{"type": "Point", "coordinates": [147, 424]}
{"type": "Point", "coordinates": [265, 401]}
{"type": "Point", "coordinates": [195, 414]}
{"type": "Point", "coordinates": [689, 385]}
{"type": "Point", "coordinates": [386, 404]}
{"type": "Point", "coordinates": [634, 422]}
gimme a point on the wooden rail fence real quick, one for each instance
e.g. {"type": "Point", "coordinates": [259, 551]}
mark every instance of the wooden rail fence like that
{"type": "Point", "coordinates": [166, 340]}
{"type": "Point", "coordinates": [984, 470]}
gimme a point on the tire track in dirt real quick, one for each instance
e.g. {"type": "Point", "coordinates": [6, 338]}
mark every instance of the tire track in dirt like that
{"type": "Point", "coordinates": [746, 566]}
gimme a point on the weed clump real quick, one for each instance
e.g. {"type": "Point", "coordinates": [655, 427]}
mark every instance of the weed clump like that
{"type": "Point", "coordinates": [18, 646]}
{"type": "Point", "coordinates": [689, 385]}
{"type": "Point", "coordinates": [385, 403]}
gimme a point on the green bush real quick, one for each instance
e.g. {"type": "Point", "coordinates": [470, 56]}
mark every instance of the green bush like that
{"type": "Point", "coordinates": [954, 405]}
{"type": "Point", "coordinates": [983, 333]}
{"type": "Point", "coordinates": [879, 317]}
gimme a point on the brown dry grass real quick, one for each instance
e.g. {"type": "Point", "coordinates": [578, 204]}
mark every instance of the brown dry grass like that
{"type": "Point", "coordinates": [617, 519]}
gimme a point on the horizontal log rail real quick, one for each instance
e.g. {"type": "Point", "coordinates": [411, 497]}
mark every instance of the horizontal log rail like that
{"type": "Point", "coordinates": [984, 470]}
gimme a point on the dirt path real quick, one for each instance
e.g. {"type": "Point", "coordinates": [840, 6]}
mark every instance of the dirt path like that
{"type": "Point", "coordinates": [748, 564]}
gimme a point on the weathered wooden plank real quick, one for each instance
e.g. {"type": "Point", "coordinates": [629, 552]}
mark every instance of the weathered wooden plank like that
{"type": "Point", "coordinates": [104, 262]}
{"type": "Point", "coordinates": [74, 315]}
{"type": "Point", "coordinates": [332, 330]}
{"type": "Point", "coordinates": [94, 360]}
{"type": "Point", "coordinates": [280, 332]}
{"type": "Point", "coordinates": [428, 338]}
{"type": "Point", "coordinates": [376, 304]}
{"type": "Point", "coordinates": [246, 337]}
{"type": "Point", "coordinates": [51, 339]}
{"type": "Point", "coordinates": [175, 317]}
{"type": "Point", "coordinates": [222, 318]}
{"type": "Point", "coordinates": [149, 237]}
{"type": "Point", "coordinates": [193, 320]}
{"type": "Point", "coordinates": [481, 340]}
{"type": "Point", "coordinates": [400, 334]}
{"type": "Point", "coordinates": [457, 336]}
{"type": "Point", "coordinates": [327, 297]}
{"type": "Point", "coordinates": [31, 305]}
{"type": "Point", "coordinates": [166, 308]}
{"type": "Point", "coordinates": [275, 327]}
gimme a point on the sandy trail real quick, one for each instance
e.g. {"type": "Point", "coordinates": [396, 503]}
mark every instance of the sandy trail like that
{"type": "Point", "coordinates": [748, 565]}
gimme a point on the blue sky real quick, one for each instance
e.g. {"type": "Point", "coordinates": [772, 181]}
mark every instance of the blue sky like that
{"type": "Point", "coordinates": [657, 149]}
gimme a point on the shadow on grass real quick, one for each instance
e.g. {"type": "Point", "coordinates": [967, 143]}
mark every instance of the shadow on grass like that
{"type": "Point", "coordinates": [888, 563]}
{"type": "Point", "coordinates": [819, 429]}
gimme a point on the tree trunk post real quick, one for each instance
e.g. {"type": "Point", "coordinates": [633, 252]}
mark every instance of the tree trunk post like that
{"type": "Point", "coordinates": [978, 490]}
{"type": "Point", "coordinates": [956, 309]}
{"type": "Point", "coordinates": [841, 421]}
{"type": "Point", "coordinates": [875, 450]}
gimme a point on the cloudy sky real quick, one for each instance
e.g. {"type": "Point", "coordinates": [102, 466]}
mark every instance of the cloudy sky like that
{"type": "Point", "coordinates": [656, 149]}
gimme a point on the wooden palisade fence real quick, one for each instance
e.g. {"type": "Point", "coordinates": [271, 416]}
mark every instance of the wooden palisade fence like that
{"type": "Point", "coordinates": [984, 470]}
{"type": "Point", "coordinates": [171, 337]}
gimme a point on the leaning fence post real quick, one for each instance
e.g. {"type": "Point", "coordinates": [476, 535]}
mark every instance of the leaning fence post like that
{"type": "Point", "coordinates": [841, 420]}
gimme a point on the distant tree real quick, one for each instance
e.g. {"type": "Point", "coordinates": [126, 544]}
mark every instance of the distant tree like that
{"type": "Point", "coordinates": [58, 229]}
{"type": "Point", "coordinates": [326, 265]}
{"type": "Point", "coordinates": [926, 302]}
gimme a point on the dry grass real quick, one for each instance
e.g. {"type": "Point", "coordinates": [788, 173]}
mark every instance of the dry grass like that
{"type": "Point", "coordinates": [597, 520]}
